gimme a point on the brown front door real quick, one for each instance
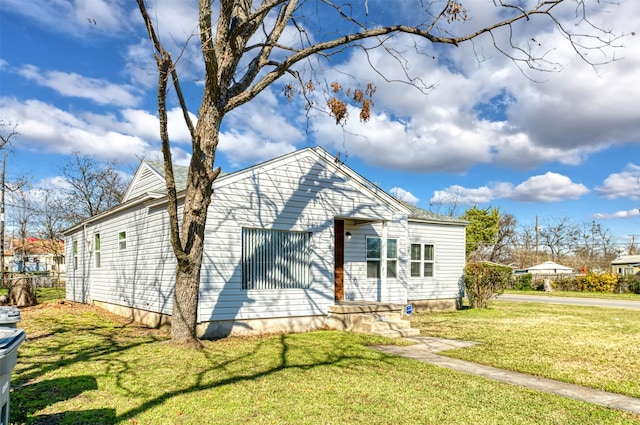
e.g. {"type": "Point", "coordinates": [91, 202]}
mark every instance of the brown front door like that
{"type": "Point", "coordinates": [339, 257]}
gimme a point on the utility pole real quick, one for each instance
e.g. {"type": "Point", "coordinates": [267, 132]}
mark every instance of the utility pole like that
{"type": "Point", "coordinates": [537, 260]}
{"type": "Point", "coordinates": [4, 161]}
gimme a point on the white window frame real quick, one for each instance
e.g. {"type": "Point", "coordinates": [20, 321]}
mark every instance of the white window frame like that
{"type": "Point", "coordinates": [390, 258]}
{"type": "Point", "coordinates": [422, 261]}
{"type": "Point", "coordinates": [122, 242]}
{"type": "Point", "coordinates": [74, 247]}
{"type": "Point", "coordinates": [372, 259]}
{"type": "Point", "coordinates": [96, 253]}
{"type": "Point", "coordinates": [275, 259]}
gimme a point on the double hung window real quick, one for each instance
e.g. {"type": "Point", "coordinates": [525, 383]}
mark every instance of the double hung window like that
{"type": "Point", "coordinates": [96, 247]}
{"type": "Point", "coordinates": [374, 257]}
{"type": "Point", "coordinates": [422, 260]}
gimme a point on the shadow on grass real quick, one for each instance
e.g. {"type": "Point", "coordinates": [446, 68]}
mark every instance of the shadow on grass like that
{"type": "Point", "coordinates": [341, 359]}
{"type": "Point", "coordinates": [72, 343]}
{"type": "Point", "coordinates": [31, 398]}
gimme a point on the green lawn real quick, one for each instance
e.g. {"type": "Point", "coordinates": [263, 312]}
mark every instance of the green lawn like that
{"type": "Point", "coordinates": [83, 365]}
{"type": "Point", "coordinates": [596, 347]}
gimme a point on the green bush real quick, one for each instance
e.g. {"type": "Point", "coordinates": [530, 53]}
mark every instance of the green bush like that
{"type": "Point", "coordinates": [629, 284]}
{"type": "Point", "coordinates": [592, 282]}
{"type": "Point", "coordinates": [522, 282]}
{"type": "Point", "coordinates": [482, 281]}
{"type": "Point", "coordinates": [565, 283]}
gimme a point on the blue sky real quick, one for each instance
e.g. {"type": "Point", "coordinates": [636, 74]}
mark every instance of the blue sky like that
{"type": "Point", "coordinates": [80, 75]}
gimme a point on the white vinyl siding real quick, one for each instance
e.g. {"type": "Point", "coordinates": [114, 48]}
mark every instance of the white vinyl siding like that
{"type": "Point", "coordinates": [298, 193]}
{"type": "Point", "coordinates": [275, 259]}
{"type": "Point", "coordinates": [448, 241]}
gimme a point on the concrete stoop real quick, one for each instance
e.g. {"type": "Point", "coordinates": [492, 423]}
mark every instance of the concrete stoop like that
{"type": "Point", "coordinates": [371, 318]}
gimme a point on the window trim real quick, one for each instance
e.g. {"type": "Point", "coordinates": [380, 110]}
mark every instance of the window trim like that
{"type": "Point", "coordinates": [96, 253]}
{"type": "Point", "coordinates": [74, 246]}
{"type": "Point", "coordinates": [378, 260]}
{"type": "Point", "coordinates": [122, 241]}
{"type": "Point", "coordinates": [422, 261]}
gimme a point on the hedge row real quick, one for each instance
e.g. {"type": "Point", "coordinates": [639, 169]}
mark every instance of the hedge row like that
{"type": "Point", "coordinates": [591, 282]}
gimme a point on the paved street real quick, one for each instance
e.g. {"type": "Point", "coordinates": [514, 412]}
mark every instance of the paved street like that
{"type": "Point", "coordinates": [594, 302]}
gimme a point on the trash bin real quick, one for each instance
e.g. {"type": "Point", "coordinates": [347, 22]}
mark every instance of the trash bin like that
{"type": "Point", "coordinates": [10, 340]}
{"type": "Point", "coordinates": [9, 316]}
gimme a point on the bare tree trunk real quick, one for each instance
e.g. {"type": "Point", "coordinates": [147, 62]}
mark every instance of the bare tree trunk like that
{"type": "Point", "coordinates": [185, 305]}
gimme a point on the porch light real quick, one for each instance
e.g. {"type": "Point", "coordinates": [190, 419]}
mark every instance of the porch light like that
{"type": "Point", "coordinates": [348, 235]}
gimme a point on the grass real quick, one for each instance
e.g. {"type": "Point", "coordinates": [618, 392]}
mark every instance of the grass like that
{"type": "Point", "coordinates": [595, 347]}
{"type": "Point", "coordinates": [83, 365]}
{"type": "Point", "coordinates": [577, 294]}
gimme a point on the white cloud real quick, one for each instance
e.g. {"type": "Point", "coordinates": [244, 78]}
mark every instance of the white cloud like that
{"type": "Point", "coordinates": [78, 18]}
{"type": "Point", "coordinates": [571, 115]}
{"type": "Point", "coordinates": [75, 85]}
{"type": "Point", "coordinates": [549, 187]}
{"type": "Point", "coordinates": [258, 131]}
{"type": "Point", "coordinates": [625, 184]}
{"type": "Point", "coordinates": [46, 128]}
{"type": "Point", "coordinates": [403, 195]}
{"type": "Point", "coordinates": [618, 214]}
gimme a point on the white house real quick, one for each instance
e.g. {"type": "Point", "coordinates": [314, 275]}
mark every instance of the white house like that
{"type": "Point", "coordinates": [285, 240]}
{"type": "Point", "coordinates": [549, 268]}
{"type": "Point", "coordinates": [626, 265]}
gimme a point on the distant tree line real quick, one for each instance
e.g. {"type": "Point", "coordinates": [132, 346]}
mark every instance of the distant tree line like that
{"type": "Point", "coordinates": [498, 237]}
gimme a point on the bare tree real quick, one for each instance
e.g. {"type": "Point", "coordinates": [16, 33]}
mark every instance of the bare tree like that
{"type": "Point", "coordinates": [93, 187]}
{"type": "Point", "coordinates": [505, 240]}
{"type": "Point", "coordinates": [244, 52]}
{"type": "Point", "coordinates": [5, 139]}
{"type": "Point", "coordinates": [595, 246]}
{"type": "Point", "coordinates": [52, 222]}
{"type": "Point", "coordinates": [559, 236]}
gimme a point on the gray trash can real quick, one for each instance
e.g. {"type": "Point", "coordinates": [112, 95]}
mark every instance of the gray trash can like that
{"type": "Point", "coordinates": [10, 340]}
{"type": "Point", "coordinates": [9, 316]}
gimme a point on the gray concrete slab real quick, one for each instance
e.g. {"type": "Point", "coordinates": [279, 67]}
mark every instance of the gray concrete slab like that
{"type": "Point", "coordinates": [427, 348]}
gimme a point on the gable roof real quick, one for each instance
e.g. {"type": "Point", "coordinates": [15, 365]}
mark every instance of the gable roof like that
{"type": "Point", "coordinates": [627, 259]}
{"type": "Point", "coordinates": [549, 265]}
{"type": "Point", "coordinates": [148, 183]}
{"type": "Point", "coordinates": [419, 214]}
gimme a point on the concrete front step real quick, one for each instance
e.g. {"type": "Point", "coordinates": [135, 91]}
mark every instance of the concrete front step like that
{"type": "Point", "coordinates": [371, 318]}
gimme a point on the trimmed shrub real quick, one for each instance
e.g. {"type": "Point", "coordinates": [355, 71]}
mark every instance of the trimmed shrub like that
{"type": "Point", "coordinates": [629, 284]}
{"type": "Point", "coordinates": [522, 282]}
{"type": "Point", "coordinates": [592, 282]}
{"type": "Point", "coordinates": [482, 281]}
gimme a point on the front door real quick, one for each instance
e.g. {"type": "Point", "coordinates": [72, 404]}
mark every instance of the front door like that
{"type": "Point", "coordinates": [339, 260]}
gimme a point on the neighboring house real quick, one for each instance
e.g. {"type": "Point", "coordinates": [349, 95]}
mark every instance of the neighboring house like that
{"type": "Point", "coordinates": [285, 240]}
{"type": "Point", "coordinates": [36, 255]}
{"type": "Point", "coordinates": [548, 268]}
{"type": "Point", "coordinates": [626, 265]}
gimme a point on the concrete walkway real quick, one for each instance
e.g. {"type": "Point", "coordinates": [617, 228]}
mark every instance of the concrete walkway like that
{"type": "Point", "coordinates": [426, 348]}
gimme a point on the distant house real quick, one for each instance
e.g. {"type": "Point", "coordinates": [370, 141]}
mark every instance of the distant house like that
{"type": "Point", "coordinates": [548, 268]}
{"type": "Point", "coordinates": [35, 255]}
{"type": "Point", "coordinates": [285, 241]}
{"type": "Point", "coordinates": [626, 265]}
